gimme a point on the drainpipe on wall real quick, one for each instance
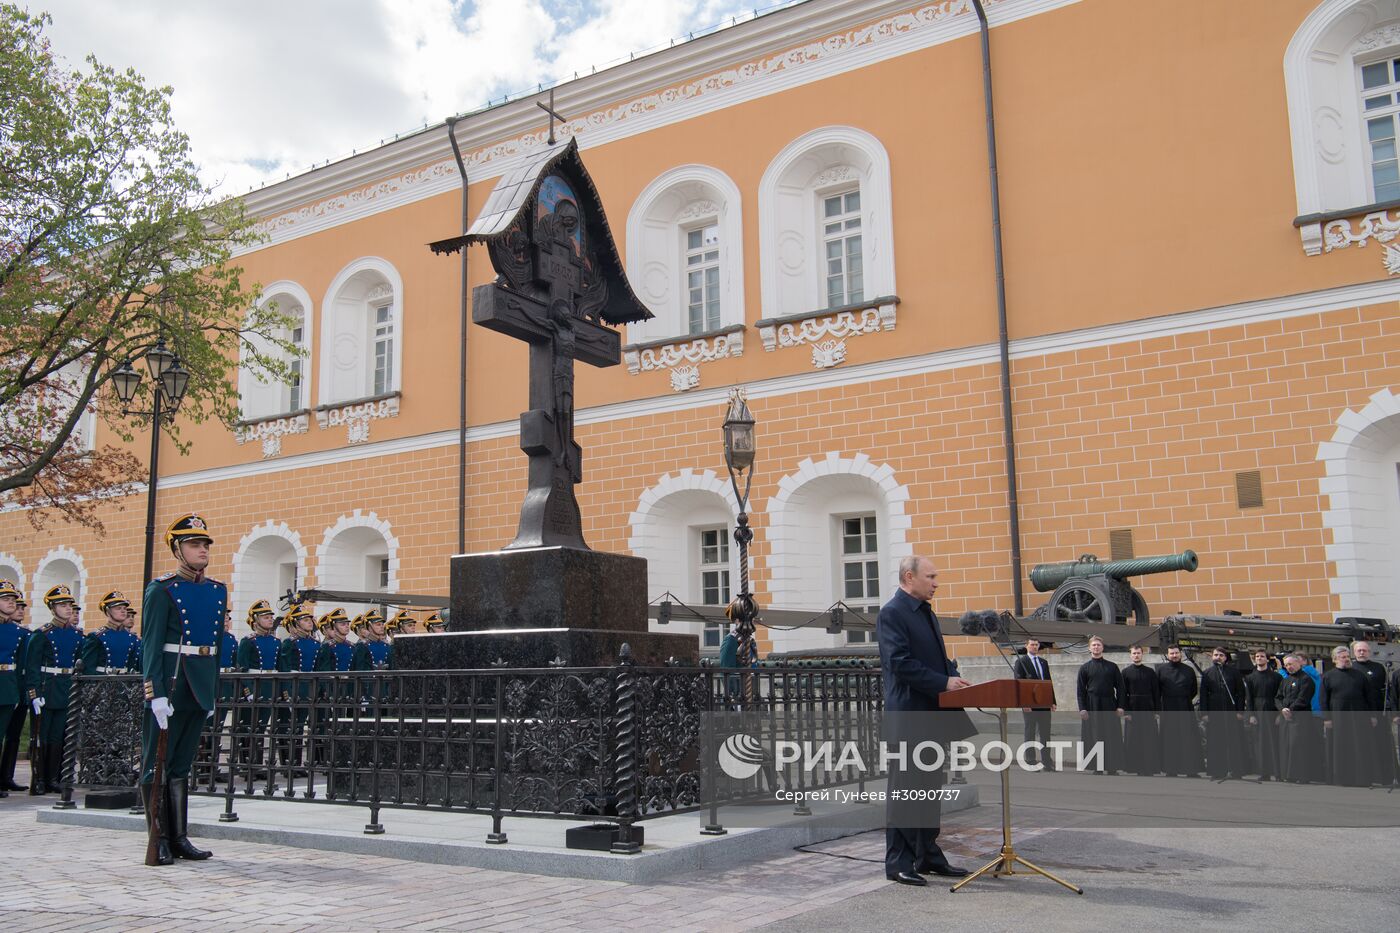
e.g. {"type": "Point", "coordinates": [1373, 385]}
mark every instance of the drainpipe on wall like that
{"type": "Point", "coordinates": [462, 362]}
{"type": "Point", "coordinates": [1003, 339]}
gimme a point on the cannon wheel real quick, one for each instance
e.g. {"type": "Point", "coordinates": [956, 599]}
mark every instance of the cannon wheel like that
{"type": "Point", "coordinates": [1081, 599]}
{"type": "Point", "coordinates": [1140, 613]}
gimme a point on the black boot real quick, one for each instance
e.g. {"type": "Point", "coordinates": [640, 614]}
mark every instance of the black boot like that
{"type": "Point", "coordinates": [178, 799]}
{"type": "Point", "coordinates": [53, 768]}
{"type": "Point", "coordinates": [7, 766]}
{"type": "Point", "coordinates": [164, 857]}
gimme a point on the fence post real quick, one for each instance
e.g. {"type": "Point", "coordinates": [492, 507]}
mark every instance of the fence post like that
{"type": "Point", "coordinates": [497, 836]}
{"type": "Point", "coordinates": [625, 773]}
{"type": "Point", "coordinates": [70, 737]}
{"type": "Point", "coordinates": [707, 746]}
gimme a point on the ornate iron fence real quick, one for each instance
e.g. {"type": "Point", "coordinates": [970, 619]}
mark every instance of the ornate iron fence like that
{"type": "Point", "coordinates": [619, 744]}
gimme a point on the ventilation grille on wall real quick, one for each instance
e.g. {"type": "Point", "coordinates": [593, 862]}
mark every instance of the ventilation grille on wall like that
{"type": "Point", "coordinates": [1249, 490]}
{"type": "Point", "coordinates": [1120, 544]}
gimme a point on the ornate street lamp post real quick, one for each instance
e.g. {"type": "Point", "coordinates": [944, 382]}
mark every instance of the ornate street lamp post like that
{"type": "Point", "coordinates": [171, 381]}
{"type": "Point", "coordinates": [739, 452]}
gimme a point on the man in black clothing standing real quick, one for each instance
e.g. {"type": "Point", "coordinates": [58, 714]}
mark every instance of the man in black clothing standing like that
{"type": "Point", "coordinates": [1300, 740]}
{"type": "Point", "coordinates": [1378, 701]}
{"type": "Point", "coordinates": [1031, 666]}
{"type": "Point", "coordinates": [1142, 698]}
{"type": "Point", "coordinates": [1181, 740]}
{"type": "Point", "coordinates": [1261, 688]}
{"type": "Point", "coordinates": [1347, 721]}
{"type": "Point", "coordinates": [1222, 710]}
{"type": "Point", "coordinates": [1099, 690]}
{"type": "Point", "coordinates": [917, 668]}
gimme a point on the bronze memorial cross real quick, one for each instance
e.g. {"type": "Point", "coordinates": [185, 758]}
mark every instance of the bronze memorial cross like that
{"type": "Point", "coordinates": [559, 278]}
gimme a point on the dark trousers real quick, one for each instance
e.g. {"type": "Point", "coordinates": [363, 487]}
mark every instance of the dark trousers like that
{"type": "Point", "coordinates": [1038, 724]}
{"type": "Point", "coordinates": [6, 713]}
{"type": "Point", "coordinates": [909, 848]}
{"type": "Point", "coordinates": [55, 724]}
{"type": "Point", "coordinates": [185, 727]}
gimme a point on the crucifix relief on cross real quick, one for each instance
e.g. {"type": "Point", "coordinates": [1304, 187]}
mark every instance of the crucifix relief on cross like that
{"type": "Point", "coordinates": [559, 284]}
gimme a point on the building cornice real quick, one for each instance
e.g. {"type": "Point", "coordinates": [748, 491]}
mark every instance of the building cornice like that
{"type": "Point", "coordinates": [775, 52]}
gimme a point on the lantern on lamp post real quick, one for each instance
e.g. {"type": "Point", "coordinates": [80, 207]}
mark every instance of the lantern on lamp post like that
{"type": "Point", "coordinates": [740, 450]}
{"type": "Point", "coordinates": [171, 381]}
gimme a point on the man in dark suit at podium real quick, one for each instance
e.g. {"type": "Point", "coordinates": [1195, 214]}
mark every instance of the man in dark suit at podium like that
{"type": "Point", "coordinates": [916, 669]}
{"type": "Point", "coordinates": [1031, 666]}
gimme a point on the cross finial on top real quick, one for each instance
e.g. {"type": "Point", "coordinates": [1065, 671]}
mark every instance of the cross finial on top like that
{"type": "Point", "coordinates": [552, 114]}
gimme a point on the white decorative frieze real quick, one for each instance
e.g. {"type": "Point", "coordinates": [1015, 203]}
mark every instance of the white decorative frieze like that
{"type": "Point", "coordinates": [1378, 38]}
{"type": "Point", "coordinates": [1382, 226]}
{"type": "Point", "coordinates": [1392, 260]}
{"type": "Point", "coordinates": [271, 433]}
{"type": "Point", "coordinates": [702, 209]}
{"type": "Point", "coordinates": [357, 416]}
{"type": "Point", "coordinates": [828, 353]}
{"type": "Point", "coordinates": [685, 378]}
{"type": "Point", "coordinates": [827, 333]}
{"type": "Point", "coordinates": [684, 355]}
{"type": "Point", "coordinates": [380, 292]}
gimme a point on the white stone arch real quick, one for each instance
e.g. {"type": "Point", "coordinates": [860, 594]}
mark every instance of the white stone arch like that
{"type": "Point", "coordinates": [802, 564]}
{"type": "Point", "coordinates": [1324, 105]}
{"type": "Point", "coordinates": [1363, 489]}
{"type": "Point", "coordinates": [664, 531]}
{"type": "Point", "coordinates": [342, 560]}
{"type": "Point", "coordinates": [258, 566]}
{"type": "Point", "coordinates": [60, 565]}
{"type": "Point", "coordinates": [258, 399]}
{"type": "Point", "coordinates": [677, 201]}
{"type": "Point", "coordinates": [12, 569]}
{"type": "Point", "coordinates": [820, 162]}
{"type": "Point", "coordinates": [345, 368]}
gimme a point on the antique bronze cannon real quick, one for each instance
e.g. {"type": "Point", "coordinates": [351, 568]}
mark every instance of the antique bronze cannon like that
{"type": "Point", "coordinates": [1086, 589]}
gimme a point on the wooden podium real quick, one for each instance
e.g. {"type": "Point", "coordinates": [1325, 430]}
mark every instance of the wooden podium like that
{"type": "Point", "coordinates": [1004, 695]}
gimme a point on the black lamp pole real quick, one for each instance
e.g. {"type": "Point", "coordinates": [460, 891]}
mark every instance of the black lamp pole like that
{"type": "Point", "coordinates": [739, 454]}
{"type": "Point", "coordinates": [171, 380]}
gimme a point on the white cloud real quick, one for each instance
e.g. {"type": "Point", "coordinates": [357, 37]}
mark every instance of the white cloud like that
{"type": "Point", "coordinates": [265, 88]}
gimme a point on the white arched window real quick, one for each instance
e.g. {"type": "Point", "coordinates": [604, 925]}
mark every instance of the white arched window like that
{"type": "Point", "coordinates": [11, 569]}
{"type": "Point", "coordinates": [1342, 74]}
{"type": "Point", "coordinates": [358, 553]}
{"type": "Point", "coordinates": [682, 527]}
{"type": "Point", "coordinates": [362, 333]}
{"type": "Point", "coordinates": [263, 398]}
{"type": "Point", "coordinates": [685, 254]}
{"type": "Point", "coordinates": [825, 231]}
{"type": "Point", "coordinates": [59, 566]}
{"type": "Point", "coordinates": [270, 560]}
{"type": "Point", "coordinates": [837, 527]}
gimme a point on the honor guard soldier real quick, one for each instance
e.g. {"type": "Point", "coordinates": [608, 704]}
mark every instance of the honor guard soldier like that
{"type": "Point", "coordinates": [257, 653]}
{"type": "Point", "coordinates": [434, 623]}
{"type": "Point", "coordinates": [183, 622]}
{"type": "Point", "coordinates": [373, 653]}
{"type": "Point", "coordinates": [48, 675]}
{"type": "Point", "coordinates": [297, 654]}
{"type": "Point", "coordinates": [113, 649]}
{"type": "Point", "coordinates": [336, 651]}
{"type": "Point", "coordinates": [403, 623]}
{"type": "Point", "coordinates": [12, 640]}
{"type": "Point", "coordinates": [9, 755]}
{"type": "Point", "coordinates": [213, 736]}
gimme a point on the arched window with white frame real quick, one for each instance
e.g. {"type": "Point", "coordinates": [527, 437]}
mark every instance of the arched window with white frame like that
{"type": "Point", "coordinates": [685, 254]}
{"type": "Point", "coordinates": [362, 333]}
{"type": "Point", "coordinates": [1342, 77]}
{"type": "Point", "coordinates": [825, 227]}
{"type": "Point", "coordinates": [359, 553]}
{"type": "Point", "coordinates": [260, 397]}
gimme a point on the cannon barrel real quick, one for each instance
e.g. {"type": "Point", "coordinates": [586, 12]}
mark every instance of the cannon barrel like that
{"type": "Point", "coordinates": [1046, 577]}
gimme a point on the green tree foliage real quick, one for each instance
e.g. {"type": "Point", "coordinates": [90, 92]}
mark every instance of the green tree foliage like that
{"type": "Point", "coordinates": [108, 242]}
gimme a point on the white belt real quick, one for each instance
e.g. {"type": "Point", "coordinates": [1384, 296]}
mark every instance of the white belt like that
{"type": "Point", "coordinates": [57, 670]}
{"type": "Point", "coordinates": [7, 667]}
{"type": "Point", "coordinates": [203, 650]}
{"type": "Point", "coordinates": [103, 670]}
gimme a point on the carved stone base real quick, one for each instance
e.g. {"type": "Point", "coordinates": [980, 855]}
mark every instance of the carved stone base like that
{"type": "Point", "coordinates": [540, 647]}
{"type": "Point", "coordinates": [549, 588]}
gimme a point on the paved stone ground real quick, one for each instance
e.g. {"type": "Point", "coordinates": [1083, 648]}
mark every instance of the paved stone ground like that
{"type": "Point", "coordinates": [89, 879]}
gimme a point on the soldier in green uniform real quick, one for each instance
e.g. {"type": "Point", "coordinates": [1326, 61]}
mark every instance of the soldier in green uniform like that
{"type": "Point", "coordinates": [297, 654]}
{"type": "Point", "coordinates": [48, 677]}
{"type": "Point", "coordinates": [434, 623]}
{"type": "Point", "coordinates": [113, 649]}
{"type": "Point", "coordinates": [403, 623]}
{"type": "Point", "coordinates": [9, 755]}
{"type": "Point", "coordinates": [182, 622]}
{"type": "Point", "coordinates": [11, 642]}
{"type": "Point", "coordinates": [373, 652]}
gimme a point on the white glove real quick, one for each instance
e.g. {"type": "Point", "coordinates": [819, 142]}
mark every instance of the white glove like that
{"type": "Point", "coordinates": [38, 705]}
{"type": "Point", "coordinates": [209, 715]}
{"type": "Point", "coordinates": [161, 709]}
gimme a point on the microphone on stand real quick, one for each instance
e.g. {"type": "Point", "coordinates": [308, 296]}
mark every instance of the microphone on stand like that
{"type": "Point", "coordinates": [990, 623]}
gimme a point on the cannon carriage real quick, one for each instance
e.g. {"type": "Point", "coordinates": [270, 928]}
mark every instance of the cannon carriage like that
{"type": "Point", "coordinates": [1090, 590]}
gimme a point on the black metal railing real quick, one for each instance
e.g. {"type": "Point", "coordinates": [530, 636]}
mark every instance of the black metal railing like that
{"type": "Point", "coordinates": [620, 744]}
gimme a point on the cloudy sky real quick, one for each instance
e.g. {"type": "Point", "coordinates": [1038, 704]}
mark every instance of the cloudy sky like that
{"type": "Point", "coordinates": [267, 87]}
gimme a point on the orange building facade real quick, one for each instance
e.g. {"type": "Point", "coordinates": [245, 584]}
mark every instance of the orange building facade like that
{"type": "Point", "coordinates": [1200, 291]}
